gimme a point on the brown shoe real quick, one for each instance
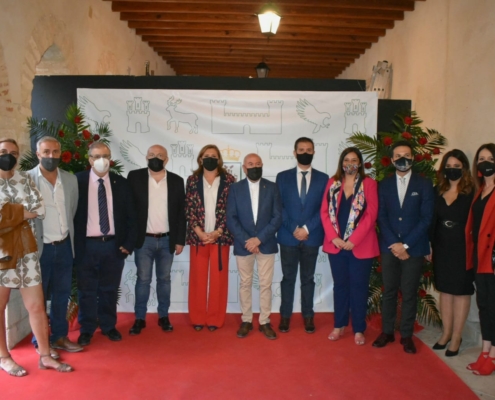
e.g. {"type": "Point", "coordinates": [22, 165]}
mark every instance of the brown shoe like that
{"type": "Point", "coordinates": [267, 330]}
{"type": "Point", "coordinates": [309, 325]}
{"type": "Point", "coordinates": [383, 340]}
{"type": "Point", "coordinates": [408, 344]}
{"type": "Point", "coordinates": [244, 329]}
{"type": "Point", "coordinates": [65, 344]}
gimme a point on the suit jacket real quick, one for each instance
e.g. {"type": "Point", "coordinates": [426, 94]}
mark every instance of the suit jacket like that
{"type": "Point", "coordinates": [71, 194]}
{"type": "Point", "coordinates": [240, 219]}
{"type": "Point", "coordinates": [123, 215]}
{"type": "Point", "coordinates": [364, 236]}
{"type": "Point", "coordinates": [409, 224]}
{"type": "Point", "coordinates": [486, 237]}
{"type": "Point", "coordinates": [294, 214]}
{"type": "Point", "coordinates": [139, 183]}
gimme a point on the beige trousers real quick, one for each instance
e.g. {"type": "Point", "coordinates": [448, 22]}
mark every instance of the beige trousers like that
{"type": "Point", "coordinates": [245, 266]}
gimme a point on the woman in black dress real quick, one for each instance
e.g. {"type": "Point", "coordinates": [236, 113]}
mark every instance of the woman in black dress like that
{"type": "Point", "coordinates": [453, 199]}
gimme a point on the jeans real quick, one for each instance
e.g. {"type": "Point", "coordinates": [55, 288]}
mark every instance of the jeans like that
{"type": "Point", "coordinates": [154, 250]}
{"type": "Point", "coordinates": [291, 257]}
{"type": "Point", "coordinates": [351, 278]}
{"type": "Point", "coordinates": [98, 280]}
{"type": "Point", "coordinates": [56, 277]}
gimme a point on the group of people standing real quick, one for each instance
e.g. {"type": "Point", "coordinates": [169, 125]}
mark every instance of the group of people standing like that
{"type": "Point", "coordinates": [96, 218]}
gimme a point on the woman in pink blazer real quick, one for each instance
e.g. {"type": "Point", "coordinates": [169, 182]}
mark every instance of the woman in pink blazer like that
{"type": "Point", "coordinates": [348, 212]}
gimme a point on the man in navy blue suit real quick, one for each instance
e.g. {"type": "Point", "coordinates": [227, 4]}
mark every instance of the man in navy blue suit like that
{"type": "Point", "coordinates": [406, 202]}
{"type": "Point", "coordinates": [104, 236]}
{"type": "Point", "coordinates": [254, 214]}
{"type": "Point", "coordinates": [301, 233]}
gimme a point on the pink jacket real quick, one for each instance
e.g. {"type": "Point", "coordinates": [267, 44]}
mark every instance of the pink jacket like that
{"type": "Point", "coordinates": [364, 236]}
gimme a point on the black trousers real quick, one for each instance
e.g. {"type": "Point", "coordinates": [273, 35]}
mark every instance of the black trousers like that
{"type": "Point", "coordinates": [404, 275]}
{"type": "Point", "coordinates": [485, 298]}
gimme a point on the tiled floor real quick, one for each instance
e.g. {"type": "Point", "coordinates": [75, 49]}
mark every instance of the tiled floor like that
{"type": "Point", "coordinates": [483, 386]}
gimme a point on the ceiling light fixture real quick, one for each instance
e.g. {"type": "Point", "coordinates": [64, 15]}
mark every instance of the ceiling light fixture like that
{"type": "Point", "coordinates": [269, 18]}
{"type": "Point", "coordinates": [262, 70]}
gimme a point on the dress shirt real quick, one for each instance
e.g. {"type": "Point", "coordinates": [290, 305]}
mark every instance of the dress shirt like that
{"type": "Point", "coordinates": [93, 226]}
{"type": "Point", "coordinates": [254, 190]}
{"type": "Point", "coordinates": [407, 178]}
{"type": "Point", "coordinates": [157, 205]}
{"type": "Point", "coordinates": [55, 227]}
{"type": "Point", "coordinates": [210, 193]}
{"type": "Point", "coordinates": [299, 179]}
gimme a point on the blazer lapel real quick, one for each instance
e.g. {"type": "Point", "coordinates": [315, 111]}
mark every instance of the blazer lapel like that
{"type": "Point", "coordinates": [201, 190]}
{"type": "Point", "coordinates": [246, 194]}
{"type": "Point", "coordinates": [410, 188]}
{"type": "Point", "coordinates": [261, 198]}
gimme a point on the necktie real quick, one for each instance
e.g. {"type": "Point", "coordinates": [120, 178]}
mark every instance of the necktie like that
{"type": "Point", "coordinates": [402, 190]}
{"type": "Point", "coordinates": [103, 208]}
{"type": "Point", "coordinates": [303, 187]}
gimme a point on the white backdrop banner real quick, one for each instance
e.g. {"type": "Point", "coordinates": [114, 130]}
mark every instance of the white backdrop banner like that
{"type": "Point", "coordinates": [238, 122]}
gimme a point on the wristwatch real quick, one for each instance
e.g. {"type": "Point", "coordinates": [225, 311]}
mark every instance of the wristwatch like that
{"type": "Point", "coordinates": [405, 246]}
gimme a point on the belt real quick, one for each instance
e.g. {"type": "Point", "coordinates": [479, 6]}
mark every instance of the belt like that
{"type": "Point", "coordinates": [101, 238]}
{"type": "Point", "coordinates": [158, 235]}
{"type": "Point", "coordinates": [449, 224]}
{"type": "Point", "coordinates": [57, 242]}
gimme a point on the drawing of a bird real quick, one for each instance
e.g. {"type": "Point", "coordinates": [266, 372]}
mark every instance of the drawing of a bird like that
{"type": "Point", "coordinates": [131, 153]}
{"type": "Point", "coordinates": [94, 116]}
{"type": "Point", "coordinates": [309, 113]}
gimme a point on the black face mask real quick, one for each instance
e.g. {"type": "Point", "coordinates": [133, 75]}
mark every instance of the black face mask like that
{"type": "Point", "coordinates": [210, 163]}
{"type": "Point", "coordinates": [50, 164]}
{"type": "Point", "coordinates": [155, 164]}
{"type": "Point", "coordinates": [304, 158]}
{"type": "Point", "coordinates": [255, 173]}
{"type": "Point", "coordinates": [403, 164]}
{"type": "Point", "coordinates": [452, 174]}
{"type": "Point", "coordinates": [7, 162]}
{"type": "Point", "coordinates": [487, 168]}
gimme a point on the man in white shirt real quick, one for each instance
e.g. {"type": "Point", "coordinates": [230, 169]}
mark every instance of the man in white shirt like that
{"type": "Point", "coordinates": [159, 198]}
{"type": "Point", "coordinates": [55, 237]}
{"type": "Point", "coordinates": [254, 214]}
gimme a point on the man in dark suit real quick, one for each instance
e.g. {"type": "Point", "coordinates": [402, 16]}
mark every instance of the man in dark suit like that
{"type": "Point", "coordinates": [406, 202]}
{"type": "Point", "coordinates": [301, 233]}
{"type": "Point", "coordinates": [104, 236]}
{"type": "Point", "coordinates": [254, 214]}
{"type": "Point", "coordinates": [161, 231]}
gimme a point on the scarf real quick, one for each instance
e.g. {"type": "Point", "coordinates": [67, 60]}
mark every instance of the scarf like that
{"type": "Point", "coordinates": [357, 208]}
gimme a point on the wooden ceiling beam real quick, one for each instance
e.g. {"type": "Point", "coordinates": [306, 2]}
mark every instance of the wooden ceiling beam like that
{"type": "Point", "coordinates": [253, 60]}
{"type": "Point", "coordinates": [247, 35]}
{"type": "Point", "coordinates": [183, 21]}
{"type": "Point", "coordinates": [255, 29]}
{"type": "Point", "coordinates": [301, 12]}
{"type": "Point", "coordinates": [274, 73]}
{"type": "Point", "coordinates": [246, 53]}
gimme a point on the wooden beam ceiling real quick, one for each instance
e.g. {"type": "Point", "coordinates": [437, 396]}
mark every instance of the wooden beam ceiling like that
{"type": "Point", "coordinates": [316, 38]}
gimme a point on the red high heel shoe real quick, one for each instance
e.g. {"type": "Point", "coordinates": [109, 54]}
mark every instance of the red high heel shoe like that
{"type": "Point", "coordinates": [479, 362]}
{"type": "Point", "coordinates": [487, 368]}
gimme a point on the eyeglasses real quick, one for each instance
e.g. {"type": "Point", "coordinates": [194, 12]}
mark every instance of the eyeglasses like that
{"type": "Point", "coordinates": [98, 156]}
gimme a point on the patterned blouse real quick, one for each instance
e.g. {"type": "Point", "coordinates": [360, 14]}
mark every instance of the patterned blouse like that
{"type": "Point", "coordinates": [195, 210]}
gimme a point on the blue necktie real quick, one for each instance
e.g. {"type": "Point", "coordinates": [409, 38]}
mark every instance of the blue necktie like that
{"type": "Point", "coordinates": [103, 208]}
{"type": "Point", "coordinates": [303, 187]}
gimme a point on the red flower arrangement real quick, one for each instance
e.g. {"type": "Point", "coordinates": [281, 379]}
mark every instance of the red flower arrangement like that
{"type": "Point", "coordinates": [61, 133]}
{"type": "Point", "coordinates": [418, 157]}
{"type": "Point", "coordinates": [77, 156]}
{"type": "Point", "coordinates": [387, 141]}
{"type": "Point", "coordinates": [367, 165]}
{"type": "Point", "coordinates": [436, 151]}
{"type": "Point", "coordinates": [86, 134]}
{"type": "Point", "coordinates": [66, 157]}
{"type": "Point", "coordinates": [427, 157]}
{"type": "Point", "coordinates": [408, 120]}
{"type": "Point", "coordinates": [422, 141]}
{"type": "Point", "coordinates": [77, 143]}
{"type": "Point", "coordinates": [385, 161]}
{"type": "Point", "coordinates": [77, 119]}
{"type": "Point", "coordinates": [406, 135]}
{"type": "Point", "coordinates": [96, 137]}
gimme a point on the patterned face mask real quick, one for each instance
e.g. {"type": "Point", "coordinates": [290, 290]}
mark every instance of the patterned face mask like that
{"type": "Point", "coordinates": [351, 169]}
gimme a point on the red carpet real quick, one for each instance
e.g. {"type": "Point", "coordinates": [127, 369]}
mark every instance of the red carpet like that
{"type": "Point", "coordinates": [217, 365]}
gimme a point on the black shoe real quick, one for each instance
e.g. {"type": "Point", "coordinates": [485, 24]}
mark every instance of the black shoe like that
{"type": "Point", "coordinates": [164, 322]}
{"type": "Point", "coordinates": [438, 346]}
{"type": "Point", "coordinates": [244, 329]}
{"type": "Point", "coordinates": [113, 334]}
{"type": "Point", "coordinates": [197, 328]}
{"type": "Point", "coordinates": [267, 330]}
{"type": "Point", "coordinates": [408, 344]}
{"type": "Point", "coordinates": [309, 325]}
{"type": "Point", "coordinates": [449, 353]}
{"type": "Point", "coordinates": [383, 339]}
{"type": "Point", "coordinates": [84, 339]}
{"type": "Point", "coordinates": [212, 328]}
{"type": "Point", "coordinates": [284, 325]}
{"type": "Point", "coordinates": [139, 324]}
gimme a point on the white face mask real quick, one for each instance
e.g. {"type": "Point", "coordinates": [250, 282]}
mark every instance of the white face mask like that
{"type": "Point", "coordinates": [101, 165]}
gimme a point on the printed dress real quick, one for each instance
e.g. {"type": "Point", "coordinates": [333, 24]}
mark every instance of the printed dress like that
{"type": "Point", "coordinates": [20, 189]}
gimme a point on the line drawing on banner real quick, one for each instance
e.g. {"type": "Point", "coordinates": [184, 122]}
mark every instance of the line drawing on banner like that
{"type": "Point", "coordinates": [131, 153]}
{"type": "Point", "coordinates": [177, 117]}
{"type": "Point", "coordinates": [233, 293]}
{"type": "Point", "coordinates": [318, 285]}
{"type": "Point", "coordinates": [355, 116]}
{"type": "Point", "coordinates": [232, 162]}
{"type": "Point", "coordinates": [138, 112]}
{"type": "Point", "coordinates": [94, 116]}
{"type": "Point", "coordinates": [179, 278]}
{"type": "Point", "coordinates": [182, 158]}
{"type": "Point", "coordinates": [265, 123]}
{"type": "Point", "coordinates": [309, 113]}
{"type": "Point", "coordinates": [130, 282]}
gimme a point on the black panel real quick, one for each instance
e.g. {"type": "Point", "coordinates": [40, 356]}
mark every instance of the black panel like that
{"type": "Point", "coordinates": [387, 110]}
